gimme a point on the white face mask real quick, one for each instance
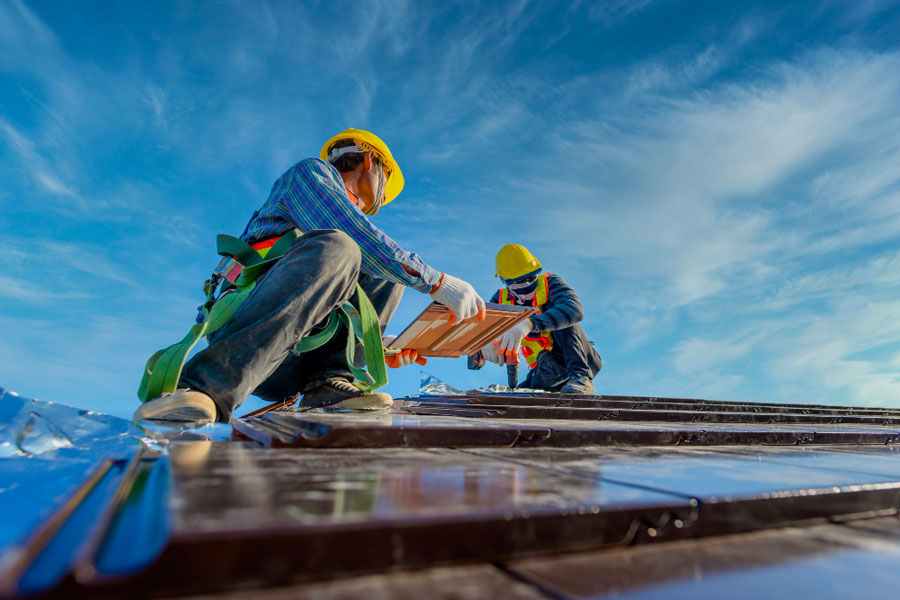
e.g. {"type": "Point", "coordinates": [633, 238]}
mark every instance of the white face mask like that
{"type": "Point", "coordinates": [523, 291]}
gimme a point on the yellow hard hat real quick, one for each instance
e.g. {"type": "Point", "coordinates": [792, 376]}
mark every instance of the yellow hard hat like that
{"type": "Point", "coordinates": [370, 142]}
{"type": "Point", "coordinates": [514, 261]}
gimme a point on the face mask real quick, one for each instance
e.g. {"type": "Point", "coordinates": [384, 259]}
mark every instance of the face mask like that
{"type": "Point", "coordinates": [523, 291]}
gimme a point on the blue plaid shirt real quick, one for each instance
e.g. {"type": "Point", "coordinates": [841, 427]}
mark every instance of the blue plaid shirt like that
{"type": "Point", "coordinates": [311, 195]}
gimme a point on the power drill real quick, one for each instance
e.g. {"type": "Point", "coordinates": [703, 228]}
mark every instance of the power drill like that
{"type": "Point", "coordinates": [476, 361]}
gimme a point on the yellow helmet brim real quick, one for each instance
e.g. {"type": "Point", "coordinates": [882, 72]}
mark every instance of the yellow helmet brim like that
{"type": "Point", "coordinates": [369, 141]}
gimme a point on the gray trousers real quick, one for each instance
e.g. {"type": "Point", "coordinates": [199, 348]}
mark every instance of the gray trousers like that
{"type": "Point", "coordinates": [571, 356]}
{"type": "Point", "coordinates": [251, 354]}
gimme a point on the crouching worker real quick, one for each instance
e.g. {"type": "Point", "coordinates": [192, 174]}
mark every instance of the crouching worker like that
{"type": "Point", "coordinates": [299, 303]}
{"type": "Point", "coordinates": [555, 346]}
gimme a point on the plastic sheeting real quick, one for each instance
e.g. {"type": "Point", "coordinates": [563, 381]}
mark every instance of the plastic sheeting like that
{"type": "Point", "coordinates": [429, 384]}
{"type": "Point", "coordinates": [46, 451]}
{"type": "Point", "coordinates": [432, 386]}
{"type": "Point", "coordinates": [34, 428]}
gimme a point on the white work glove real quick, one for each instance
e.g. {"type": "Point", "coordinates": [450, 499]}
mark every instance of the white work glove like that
{"type": "Point", "coordinates": [510, 341]}
{"type": "Point", "coordinates": [460, 297]}
{"type": "Point", "coordinates": [492, 354]}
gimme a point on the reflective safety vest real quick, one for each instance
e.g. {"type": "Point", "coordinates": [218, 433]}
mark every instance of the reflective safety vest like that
{"type": "Point", "coordinates": [534, 343]}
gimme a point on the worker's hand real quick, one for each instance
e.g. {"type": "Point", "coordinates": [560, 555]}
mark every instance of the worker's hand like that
{"type": "Point", "coordinates": [460, 297]}
{"type": "Point", "coordinates": [492, 354]}
{"type": "Point", "coordinates": [510, 341]}
{"type": "Point", "coordinates": [403, 358]}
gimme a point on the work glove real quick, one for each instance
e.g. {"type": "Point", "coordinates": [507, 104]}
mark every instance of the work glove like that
{"type": "Point", "coordinates": [510, 341]}
{"type": "Point", "coordinates": [492, 353]}
{"type": "Point", "coordinates": [460, 297]}
{"type": "Point", "coordinates": [403, 358]}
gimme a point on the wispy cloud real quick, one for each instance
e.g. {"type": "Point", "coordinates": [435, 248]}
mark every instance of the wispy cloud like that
{"type": "Point", "coordinates": [37, 168]}
{"type": "Point", "coordinates": [42, 271]}
{"type": "Point", "coordinates": [610, 12]}
{"type": "Point", "coordinates": [688, 193]}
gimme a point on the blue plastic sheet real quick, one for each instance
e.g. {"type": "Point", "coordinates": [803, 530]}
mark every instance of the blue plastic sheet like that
{"type": "Point", "coordinates": [34, 428]}
{"type": "Point", "coordinates": [48, 452]}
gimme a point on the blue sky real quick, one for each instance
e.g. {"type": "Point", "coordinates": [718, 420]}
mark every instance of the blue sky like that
{"type": "Point", "coordinates": [720, 182]}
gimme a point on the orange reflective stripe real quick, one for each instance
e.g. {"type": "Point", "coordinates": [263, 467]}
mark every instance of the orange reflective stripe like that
{"type": "Point", "coordinates": [263, 246]}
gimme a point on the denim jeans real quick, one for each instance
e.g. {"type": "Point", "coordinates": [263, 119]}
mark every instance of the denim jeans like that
{"type": "Point", "coordinates": [572, 356]}
{"type": "Point", "coordinates": [252, 353]}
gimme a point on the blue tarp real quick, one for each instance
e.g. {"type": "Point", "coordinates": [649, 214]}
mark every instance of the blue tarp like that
{"type": "Point", "coordinates": [48, 452]}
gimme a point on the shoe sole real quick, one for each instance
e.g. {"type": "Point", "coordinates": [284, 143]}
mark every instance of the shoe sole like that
{"type": "Point", "coordinates": [367, 402]}
{"type": "Point", "coordinates": [176, 408]}
{"type": "Point", "coordinates": [375, 401]}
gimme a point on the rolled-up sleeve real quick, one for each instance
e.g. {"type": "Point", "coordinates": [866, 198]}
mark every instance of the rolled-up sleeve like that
{"type": "Point", "coordinates": [311, 195]}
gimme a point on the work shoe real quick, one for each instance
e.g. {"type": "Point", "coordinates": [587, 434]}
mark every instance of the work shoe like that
{"type": "Point", "coordinates": [577, 385]}
{"type": "Point", "coordinates": [340, 393]}
{"type": "Point", "coordinates": [183, 405]}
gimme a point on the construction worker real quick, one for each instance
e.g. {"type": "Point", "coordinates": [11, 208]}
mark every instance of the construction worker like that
{"type": "Point", "coordinates": [555, 346]}
{"type": "Point", "coordinates": [329, 200]}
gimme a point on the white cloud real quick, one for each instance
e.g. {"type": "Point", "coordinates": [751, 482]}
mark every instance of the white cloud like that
{"type": "Point", "coordinates": [40, 272]}
{"type": "Point", "coordinates": [689, 194]}
{"type": "Point", "coordinates": [610, 12]}
{"type": "Point", "coordinates": [19, 290]}
{"type": "Point", "coordinates": [697, 355]}
{"type": "Point", "coordinates": [37, 167]}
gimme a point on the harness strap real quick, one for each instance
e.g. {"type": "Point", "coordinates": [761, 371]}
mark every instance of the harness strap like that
{"type": "Point", "coordinates": [163, 369]}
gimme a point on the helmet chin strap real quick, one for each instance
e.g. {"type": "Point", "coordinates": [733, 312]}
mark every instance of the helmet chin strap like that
{"type": "Point", "coordinates": [379, 192]}
{"type": "Point", "coordinates": [523, 297]}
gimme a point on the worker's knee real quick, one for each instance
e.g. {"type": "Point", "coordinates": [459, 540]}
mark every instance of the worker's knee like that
{"type": "Point", "coordinates": [340, 248]}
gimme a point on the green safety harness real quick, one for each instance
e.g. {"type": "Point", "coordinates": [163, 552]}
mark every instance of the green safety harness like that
{"type": "Point", "coordinates": [241, 266]}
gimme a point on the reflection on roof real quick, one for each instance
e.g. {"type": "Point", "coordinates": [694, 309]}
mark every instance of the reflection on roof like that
{"type": "Point", "coordinates": [475, 494]}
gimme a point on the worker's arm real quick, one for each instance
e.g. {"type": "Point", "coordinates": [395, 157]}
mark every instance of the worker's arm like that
{"type": "Point", "coordinates": [311, 195]}
{"type": "Point", "coordinates": [565, 307]}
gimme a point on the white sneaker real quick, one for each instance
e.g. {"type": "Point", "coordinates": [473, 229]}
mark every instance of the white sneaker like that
{"type": "Point", "coordinates": [184, 406]}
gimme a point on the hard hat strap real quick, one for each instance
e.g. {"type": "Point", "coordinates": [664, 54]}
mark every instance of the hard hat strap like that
{"type": "Point", "coordinates": [379, 191]}
{"type": "Point", "coordinates": [336, 153]}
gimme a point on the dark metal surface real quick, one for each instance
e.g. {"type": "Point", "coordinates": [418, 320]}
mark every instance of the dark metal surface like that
{"type": "Point", "coordinates": [312, 514]}
{"type": "Point", "coordinates": [712, 477]}
{"type": "Point", "coordinates": [598, 401]}
{"type": "Point", "coordinates": [246, 513]}
{"type": "Point", "coordinates": [334, 487]}
{"type": "Point", "coordinates": [737, 491]}
{"type": "Point", "coordinates": [470, 582]}
{"type": "Point", "coordinates": [463, 425]}
{"type": "Point", "coordinates": [513, 411]}
{"type": "Point", "coordinates": [310, 496]}
{"type": "Point", "coordinates": [830, 561]}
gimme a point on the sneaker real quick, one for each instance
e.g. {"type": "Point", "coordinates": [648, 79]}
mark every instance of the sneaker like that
{"type": "Point", "coordinates": [183, 406]}
{"type": "Point", "coordinates": [578, 385]}
{"type": "Point", "coordinates": [340, 393]}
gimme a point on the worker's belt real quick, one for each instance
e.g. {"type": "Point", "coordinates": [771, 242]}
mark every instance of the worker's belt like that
{"type": "Point", "coordinates": [241, 266]}
{"type": "Point", "coordinates": [230, 268]}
